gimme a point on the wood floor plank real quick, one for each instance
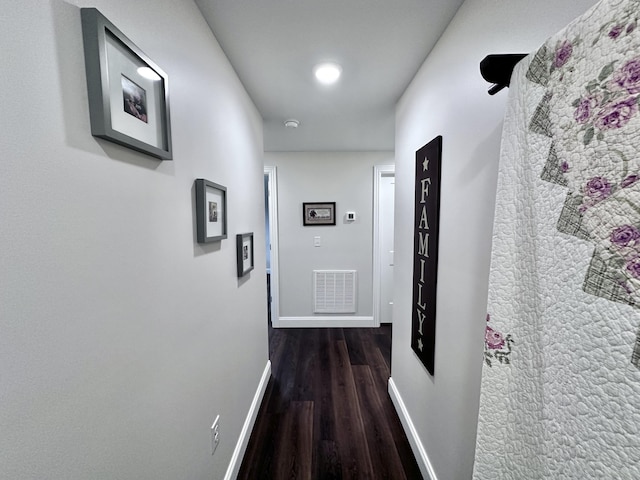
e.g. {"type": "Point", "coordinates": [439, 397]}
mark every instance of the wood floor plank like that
{"type": "Point", "coordinates": [328, 466]}
{"type": "Point", "coordinates": [377, 363]}
{"type": "Point", "coordinates": [354, 346]}
{"type": "Point", "coordinates": [259, 456]}
{"type": "Point", "coordinates": [294, 450]}
{"type": "Point", "coordinates": [351, 437]}
{"type": "Point", "coordinates": [286, 367]}
{"type": "Point", "coordinates": [379, 366]}
{"type": "Point", "coordinates": [307, 366]}
{"type": "Point", "coordinates": [380, 442]}
{"type": "Point", "coordinates": [383, 340]}
{"type": "Point", "coordinates": [324, 395]}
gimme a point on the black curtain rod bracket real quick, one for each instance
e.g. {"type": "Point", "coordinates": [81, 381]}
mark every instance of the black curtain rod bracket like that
{"type": "Point", "coordinates": [497, 69]}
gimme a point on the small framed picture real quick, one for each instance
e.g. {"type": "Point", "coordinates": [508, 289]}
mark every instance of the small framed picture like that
{"type": "Point", "coordinates": [318, 213]}
{"type": "Point", "coordinates": [211, 211]}
{"type": "Point", "coordinates": [128, 93]}
{"type": "Point", "coordinates": [244, 243]}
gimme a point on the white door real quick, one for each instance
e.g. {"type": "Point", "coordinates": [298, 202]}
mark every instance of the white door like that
{"type": "Point", "coordinates": [271, 226]}
{"type": "Point", "coordinates": [383, 243]}
{"type": "Point", "coordinates": [386, 247]}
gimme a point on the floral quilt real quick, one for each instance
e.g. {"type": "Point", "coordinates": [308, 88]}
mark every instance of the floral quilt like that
{"type": "Point", "coordinates": [561, 378]}
{"type": "Point", "coordinates": [591, 111]}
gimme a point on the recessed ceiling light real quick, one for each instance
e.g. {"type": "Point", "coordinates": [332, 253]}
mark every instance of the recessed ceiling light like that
{"type": "Point", "coordinates": [327, 73]}
{"type": "Point", "coordinates": [291, 123]}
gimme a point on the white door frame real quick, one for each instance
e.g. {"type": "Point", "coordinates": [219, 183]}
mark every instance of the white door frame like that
{"type": "Point", "coordinates": [378, 172]}
{"type": "Point", "coordinates": [272, 196]}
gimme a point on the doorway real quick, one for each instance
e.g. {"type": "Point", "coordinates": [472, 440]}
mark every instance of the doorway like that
{"type": "Point", "coordinates": [271, 244]}
{"type": "Point", "coordinates": [383, 231]}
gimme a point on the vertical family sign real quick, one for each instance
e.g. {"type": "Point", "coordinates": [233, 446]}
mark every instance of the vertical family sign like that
{"type": "Point", "coordinates": [425, 251]}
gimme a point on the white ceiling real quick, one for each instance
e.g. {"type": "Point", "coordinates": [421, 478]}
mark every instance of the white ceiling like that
{"type": "Point", "coordinates": [380, 44]}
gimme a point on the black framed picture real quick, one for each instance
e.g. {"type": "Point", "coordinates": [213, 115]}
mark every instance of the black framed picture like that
{"type": "Point", "coordinates": [244, 244]}
{"type": "Point", "coordinates": [128, 93]}
{"type": "Point", "coordinates": [211, 211]}
{"type": "Point", "coordinates": [316, 213]}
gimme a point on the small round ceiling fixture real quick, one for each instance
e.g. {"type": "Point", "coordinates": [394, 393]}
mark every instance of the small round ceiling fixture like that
{"type": "Point", "coordinates": [291, 123]}
{"type": "Point", "coordinates": [327, 73]}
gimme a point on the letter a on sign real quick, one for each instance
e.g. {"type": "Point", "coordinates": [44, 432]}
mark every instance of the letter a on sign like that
{"type": "Point", "coordinates": [425, 251]}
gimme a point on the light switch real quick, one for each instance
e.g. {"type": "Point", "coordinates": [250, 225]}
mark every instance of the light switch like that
{"type": "Point", "coordinates": [316, 241]}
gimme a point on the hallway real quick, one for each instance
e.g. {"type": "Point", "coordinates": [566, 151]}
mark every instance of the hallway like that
{"type": "Point", "coordinates": [326, 413]}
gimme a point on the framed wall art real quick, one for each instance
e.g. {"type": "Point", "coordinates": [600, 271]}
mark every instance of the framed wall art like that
{"type": "Point", "coordinates": [128, 93]}
{"type": "Point", "coordinates": [244, 243]}
{"type": "Point", "coordinates": [318, 213]}
{"type": "Point", "coordinates": [211, 211]}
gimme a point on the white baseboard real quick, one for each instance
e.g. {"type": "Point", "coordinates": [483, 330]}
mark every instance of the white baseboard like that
{"type": "Point", "coordinates": [241, 446]}
{"type": "Point", "coordinates": [326, 321]}
{"type": "Point", "coordinates": [412, 434]}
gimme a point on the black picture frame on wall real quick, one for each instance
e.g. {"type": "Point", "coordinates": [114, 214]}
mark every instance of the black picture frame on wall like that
{"type": "Point", "coordinates": [318, 213]}
{"type": "Point", "coordinates": [244, 249]}
{"type": "Point", "coordinates": [128, 93]}
{"type": "Point", "coordinates": [211, 211]}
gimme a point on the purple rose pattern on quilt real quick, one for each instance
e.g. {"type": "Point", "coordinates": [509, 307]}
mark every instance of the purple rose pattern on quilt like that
{"type": "Point", "coordinates": [497, 347]}
{"type": "Point", "coordinates": [562, 54]}
{"type": "Point", "coordinates": [610, 101]}
{"type": "Point", "coordinates": [603, 185]}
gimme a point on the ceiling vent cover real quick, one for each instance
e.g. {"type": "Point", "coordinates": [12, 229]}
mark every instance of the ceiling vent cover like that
{"type": "Point", "coordinates": [334, 291]}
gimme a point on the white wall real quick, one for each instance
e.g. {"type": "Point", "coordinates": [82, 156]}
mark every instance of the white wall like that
{"type": "Point", "coordinates": [342, 177]}
{"type": "Point", "coordinates": [120, 337]}
{"type": "Point", "coordinates": [448, 97]}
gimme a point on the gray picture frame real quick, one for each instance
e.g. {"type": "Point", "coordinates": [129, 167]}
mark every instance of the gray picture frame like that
{"type": "Point", "coordinates": [125, 106]}
{"type": "Point", "coordinates": [244, 255]}
{"type": "Point", "coordinates": [211, 211]}
{"type": "Point", "coordinates": [318, 213]}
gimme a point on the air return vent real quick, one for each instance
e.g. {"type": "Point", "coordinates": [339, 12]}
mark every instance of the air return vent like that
{"type": "Point", "coordinates": [334, 291]}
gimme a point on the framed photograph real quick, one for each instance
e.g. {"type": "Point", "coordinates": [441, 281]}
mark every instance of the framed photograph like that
{"type": "Point", "coordinates": [318, 213]}
{"type": "Point", "coordinates": [244, 243]}
{"type": "Point", "coordinates": [211, 211]}
{"type": "Point", "coordinates": [128, 93]}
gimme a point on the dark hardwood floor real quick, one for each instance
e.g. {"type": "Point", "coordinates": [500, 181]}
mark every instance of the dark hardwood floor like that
{"type": "Point", "coordinates": [326, 413]}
